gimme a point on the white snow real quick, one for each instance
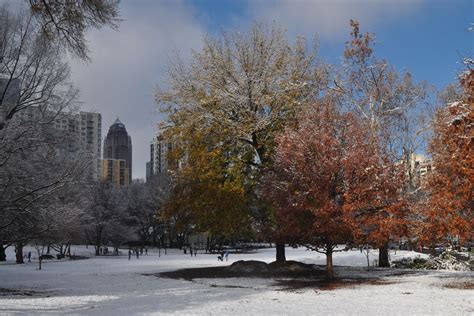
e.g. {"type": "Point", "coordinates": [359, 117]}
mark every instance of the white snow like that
{"type": "Point", "coordinates": [117, 286]}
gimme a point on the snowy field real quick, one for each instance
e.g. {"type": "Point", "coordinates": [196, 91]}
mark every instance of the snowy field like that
{"type": "Point", "coordinates": [117, 286]}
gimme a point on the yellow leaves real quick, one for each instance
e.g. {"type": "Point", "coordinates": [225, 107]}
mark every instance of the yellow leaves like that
{"type": "Point", "coordinates": [209, 187]}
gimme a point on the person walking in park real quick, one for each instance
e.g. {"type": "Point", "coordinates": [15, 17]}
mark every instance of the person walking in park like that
{"type": "Point", "coordinates": [146, 252]}
{"type": "Point", "coordinates": [29, 256]}
{"type": "Point", "coordinates": [191, 251]}
{"type": "Point", "coordinates": [137, 253]}
{"type": "Point", "coordinates": [129, 253]}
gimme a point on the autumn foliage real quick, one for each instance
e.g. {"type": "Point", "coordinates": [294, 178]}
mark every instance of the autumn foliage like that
{"type": "Point", "coordinates": [448, 215]}
{"type": "Point", "coordinates": [329, 184]}
{"type": "Point", "coordinates": [207, 194]}
{"type": "Point", "coordinates": [273, 142]}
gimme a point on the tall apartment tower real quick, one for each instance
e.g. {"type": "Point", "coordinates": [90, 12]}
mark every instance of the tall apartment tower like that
{"type": "Point", "coordinates": [79, 134]}
{"type": "Point", "coordinates": [89, 131]}
{"type": "Point", "coordinates": [81, 137]}
{"type": "Point", "coordinates": [159, 149]}
{"type": "Point", "coordinates": [117, 161]}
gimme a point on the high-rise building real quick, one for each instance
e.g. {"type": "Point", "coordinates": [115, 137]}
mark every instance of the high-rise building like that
{"type": "Point", "coordinates": [420, 167]}
{"type": "Point", "coordinates": [90, 135]}
{"type": "Point", "coordinates": [159, 149]}
{"type": "Point", "coordinates": [116, 172]}
{"type": "Point", "coordinates": [148, 170]}
{"type": "Point", "coordinates": [117, 161]}
{"type": "Point", "coordinates": [84, 130]}
{"type": "Point", "coordinates": [79, 134]}
{"type": "Point", "coordinates": [81, 137]}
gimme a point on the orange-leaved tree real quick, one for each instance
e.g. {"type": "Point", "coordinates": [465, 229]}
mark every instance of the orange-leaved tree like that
{"type": "Point", "coordinates": [319, 164]}
{"type": "Point", "coordinates": [394, 108]}
{"type": "Point", "coordinates": [448, 215]}
{"type": "Point", "coordinates": [374, 198]}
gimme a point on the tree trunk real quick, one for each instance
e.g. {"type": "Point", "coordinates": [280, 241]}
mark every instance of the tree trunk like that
{"type": "Point", "coordinates": [329, 266]}
{"type": "Point", "coordinates": [383, 257]}
{"type": "Point", "coordinates": [19, 253]}
{"type": "Point", "coordinates": [367, 255]}
{"type": "Point", "coordinates": [97, 253]}
{"type": "Point", "coordinates": [39, 263]}
{"type": "Point", "coordinates": [3, 256]}
{"type": "Point", "coordinates": [409, 245]}
{"type": "Point", "coordinates": [280, 252]}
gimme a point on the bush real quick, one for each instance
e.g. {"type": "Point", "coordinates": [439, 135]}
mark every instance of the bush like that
{"type": "Point", "coordinates": [447, 260]}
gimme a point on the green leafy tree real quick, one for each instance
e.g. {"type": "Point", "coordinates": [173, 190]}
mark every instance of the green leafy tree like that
{"type": "Point", "coordinates": [238, 92]}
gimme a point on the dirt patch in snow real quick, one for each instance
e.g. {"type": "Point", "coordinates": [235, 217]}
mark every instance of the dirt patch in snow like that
{"type": "Point", "coordinates": [289, 276]}
{"type": "Point", "coordinates": [196, 273]}
{"type": "Point", "coordinates": [256, 269]}
{"type": "Point", "coordinates": [468, 285]}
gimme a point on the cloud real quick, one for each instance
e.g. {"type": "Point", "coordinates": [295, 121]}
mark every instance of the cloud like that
{"type": "Point", "coordinates": [330, 18]}
{"type": "Point", "coordinates": [128, 64]}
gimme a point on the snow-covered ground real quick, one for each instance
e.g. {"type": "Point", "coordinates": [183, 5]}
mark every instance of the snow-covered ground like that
{"type": "Point", "coordinates": [117, 286]}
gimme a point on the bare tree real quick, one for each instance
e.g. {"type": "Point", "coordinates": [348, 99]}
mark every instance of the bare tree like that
{"type": "Point", "coordinates": [66, 22]}
{"type": "Point", "coordinates": [68, 206]}
{"type": "Point", "coordinates": [105, 216]}
{"type": "Point", "coordinates": [34, 93]}
{"type": "Point", "coordinates": [145, 201]}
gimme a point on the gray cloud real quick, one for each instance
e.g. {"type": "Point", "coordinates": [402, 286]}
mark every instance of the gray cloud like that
{"type": "Point", "coordinates": [128, 64]}
{"type": "Point", "coordinates": [330, 18]}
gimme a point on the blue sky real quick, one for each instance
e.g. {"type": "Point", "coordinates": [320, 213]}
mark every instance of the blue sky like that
{"type": "Point", "coordinates": [427, 37]}
{"type": "Point", "coordinates": [428, 40]}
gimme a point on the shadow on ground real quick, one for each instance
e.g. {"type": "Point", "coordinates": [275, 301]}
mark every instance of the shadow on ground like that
{"type": "Point", "coordinates": [289, 276]}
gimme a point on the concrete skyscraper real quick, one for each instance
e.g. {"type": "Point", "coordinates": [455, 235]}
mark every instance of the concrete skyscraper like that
{"type": "Point", "coordinates": [117, 160]}
{"type": "Point", "coordinates": [78, 135]}
{"type": "Point", "coordinates": [158, 164]}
